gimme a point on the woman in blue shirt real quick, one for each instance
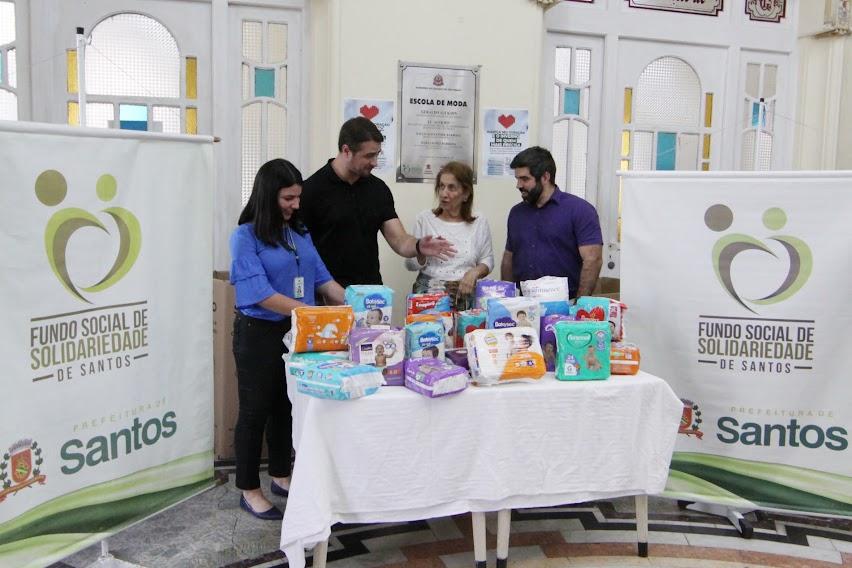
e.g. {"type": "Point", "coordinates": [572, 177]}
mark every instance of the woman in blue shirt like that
{"type": "Point", "coordinates": [274, 268]}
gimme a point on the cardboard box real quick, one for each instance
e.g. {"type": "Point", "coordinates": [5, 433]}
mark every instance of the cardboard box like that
{"type": "Point", "coordinates": [225, 401]}
{"type": "Point", "coordinates": [608, 288]}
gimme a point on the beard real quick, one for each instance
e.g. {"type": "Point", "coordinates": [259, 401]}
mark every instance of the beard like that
{"type": "Point", "coordinates": [532, 195]}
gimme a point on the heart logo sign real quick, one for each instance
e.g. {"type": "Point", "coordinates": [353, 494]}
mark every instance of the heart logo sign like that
{"type": "Point", "coordinates": [578, 340]}
{"type": "Point", "coordinates": [369, 112]}
{"type": "Point", "coordinates": [506, 120]}
{"type": "Point", "coordinates": [50, 189]}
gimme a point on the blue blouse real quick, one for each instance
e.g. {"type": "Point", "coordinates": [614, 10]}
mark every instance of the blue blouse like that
{"type": "Point", "coordinates": [258, 270]}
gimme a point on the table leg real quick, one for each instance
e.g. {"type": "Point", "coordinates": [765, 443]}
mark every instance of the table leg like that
{"type": "Point", "coordinates": [642, 524]}
{"type": "Point", "coordinates": [504, 519]}
{"type": "Point", "coordinates": [320, 554]}
{"type": "Point", "coordinates": [479, 547]}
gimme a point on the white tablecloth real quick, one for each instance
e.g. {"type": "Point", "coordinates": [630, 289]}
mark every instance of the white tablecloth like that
{"type": "Point", "coordinates": [398, 455]}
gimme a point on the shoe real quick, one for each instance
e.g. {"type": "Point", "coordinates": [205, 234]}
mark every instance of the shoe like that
{"type": "Point", "coordinates": [278, 490]}
{"type": "Point", "coordinates": [273, 514]}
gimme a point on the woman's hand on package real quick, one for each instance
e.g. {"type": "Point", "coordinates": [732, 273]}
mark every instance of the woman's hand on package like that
{"type": "Point", "coordinates": [438, 247]}
{"type": "Point", "coordinates": [467, 284]}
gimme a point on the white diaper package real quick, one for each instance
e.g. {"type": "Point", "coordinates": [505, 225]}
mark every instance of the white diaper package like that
{"type": "Point", "coordinates": [372, 304]}
{"type": "Point", "coordinates": [513, 312]}
{"type": "Point", "coordinates": [335, 379]}
{"type": "Point", "coordinates": [546, 287]}
{"type": "Point", "coordinates": [500, 355]}
{"type": "Point", "coordinates": [424, 339]}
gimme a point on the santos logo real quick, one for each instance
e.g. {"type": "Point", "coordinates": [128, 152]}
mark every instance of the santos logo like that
{"type": "Point", "coordinates": [799, 259]}
{"type": "Point", "coordinates": [50, 189]}
{"type": "Point", "coordinates": [791, 434]}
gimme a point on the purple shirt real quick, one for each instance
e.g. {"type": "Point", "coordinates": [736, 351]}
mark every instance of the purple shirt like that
{"type": "Point", "coordinates": [544, 241]}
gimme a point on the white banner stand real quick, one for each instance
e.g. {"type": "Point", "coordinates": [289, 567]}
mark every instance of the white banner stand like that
{"type": "Point", "coordinates": [730, 513]}
{"type": "Point", "coordinates": [107, 560]}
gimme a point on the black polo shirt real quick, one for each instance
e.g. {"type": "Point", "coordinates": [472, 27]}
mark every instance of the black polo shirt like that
{"type": "Point", "coordinates": [344, 220]}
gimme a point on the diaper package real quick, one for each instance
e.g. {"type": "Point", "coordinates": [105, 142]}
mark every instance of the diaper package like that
{"type": "Point", "coordinates": [486, 289]}
{"type": "Point", "coordinates": [554, 307]}
{"type": "Point", "coordinates": [382, 348]}
{"type": "Point", "coordinates": [371, 304]}
{"type": "Point", "coordinates": [624, 359]}
{"type": "Point", "coordinates": [512, 312]}
{"type": "Point", "coordinates": [549, 287]}
{"type": "Point", "coordinates": [458, 357]}
{"type": "Point", "coordinates": [548, 338]}
{"type": "Point", "coordinates": [434, 378]}
{"type": "Point", "coordinates": [424, 339]}
{"type": "Point", "coordinates": [602, 309]}
{"type": "Point", "coordinates": [432, 302]}
{"type": "Point", "coordinates": [582, 350]}
{"type": "Point", "coordinates": [445, 318]}
{"type": "Point", "coordinates": [500, 355]}
{"type": "Point", "coordinates": [320, 328]}
{"type": "Point", "coordinates": [466, 322]}
{"type": "Point", "coordinates": [335, 379]}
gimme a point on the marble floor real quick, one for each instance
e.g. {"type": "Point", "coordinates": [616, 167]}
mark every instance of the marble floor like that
{"type": "Point", "coordinates": [210, 530]}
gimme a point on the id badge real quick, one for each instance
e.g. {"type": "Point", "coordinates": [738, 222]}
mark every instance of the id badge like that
{"type": "Point", "coordinates": [299, 287]}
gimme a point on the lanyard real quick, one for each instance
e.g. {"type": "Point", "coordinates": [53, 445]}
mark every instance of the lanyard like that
{"type": "Point", "coordinates": [290, 245]}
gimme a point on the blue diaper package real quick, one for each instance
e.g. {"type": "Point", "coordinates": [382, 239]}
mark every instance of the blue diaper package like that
{"type": "Point", "coordinates": [424, 339]}
{"type": "Point", "coordinates": [372, 304]}
{"type": "Point", "coordinates": [513, 312]}
{"type": "Point", "coordinates": [335, 379]}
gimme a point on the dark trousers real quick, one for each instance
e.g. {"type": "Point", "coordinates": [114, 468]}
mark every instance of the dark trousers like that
{"type": "Point", "coordinates": [263, 399]}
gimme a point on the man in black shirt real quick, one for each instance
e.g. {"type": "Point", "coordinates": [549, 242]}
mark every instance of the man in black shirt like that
{"type": "Point", "coordinates": [344, 206]}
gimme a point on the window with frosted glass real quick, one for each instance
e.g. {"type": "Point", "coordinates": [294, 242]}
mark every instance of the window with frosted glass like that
{"type": "Point", "coordinates": [135, 77]}
{"type": "Point", "coordinates": [758, 120]}
{"type": "Point", "coordinates": [8, 63]}
{"type": "Point", "coordinates": [263, 84]}
{"type": "Point", "coordinates": [571, 88]}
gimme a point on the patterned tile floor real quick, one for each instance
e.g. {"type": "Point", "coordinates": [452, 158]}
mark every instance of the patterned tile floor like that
{"type": "Point", "coordinates": [210, 530]}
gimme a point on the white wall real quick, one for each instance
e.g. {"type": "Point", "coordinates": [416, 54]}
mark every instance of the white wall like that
{"type": "Point", "coordinates": [355, 48]}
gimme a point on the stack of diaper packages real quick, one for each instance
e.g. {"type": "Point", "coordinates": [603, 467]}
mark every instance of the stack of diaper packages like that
{"type": "Point", "coordinates": [433, 377]}
{"type": "Point", "coordinates": [431, 307]}
{"type": "Point", "coordinates": [625, 357]}
{"type": "Point", "coordinates": [486, 289]}
{"type": "Point", "coordinates": [383, 348]}
{"type": "Point", "coordinates": [501, 355]}
{"type": "Point", "coordinates": [582, 350]}
{"type": "Point", "coordinates": [335, 379]}
{"type": "Point", "coordinates": [371, 304]}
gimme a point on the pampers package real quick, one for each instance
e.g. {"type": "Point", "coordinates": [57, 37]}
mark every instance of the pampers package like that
{"type": "Point", "coordinates": [467, 321]}
{"type": "Point", "coordinates": [549, 287]}
{"type": "Point", "coordinates": [430, 303]}
{"type": "Point", "coordinates": [371, 304]}
{"type": "Point", "coordinates": [582, 350]}
{"type": "Point", "coordinates": [335, 379]}
{"type": "Point", "coordinates": [424, 339]}
{"type": "Point", "coordinates": [501, 355]}
{"type": "Point", "coordinates": [512, 312]}
{"type": "Point", "coordinates": [486, 289]}
{"type": "Point", "coordinates": [432, 377]}
{"type": "Point", "coordinates": [602, 309]}
{"type": "Point", "coordinates": [320, 328]}
{"type": "Point", "coordinates": [548, 338]}
{"type": "Point", "coordinates": [382, 348]}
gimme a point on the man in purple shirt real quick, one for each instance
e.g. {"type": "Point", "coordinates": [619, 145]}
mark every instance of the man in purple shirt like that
{"type": "Point", "coordinates": [550, 233]}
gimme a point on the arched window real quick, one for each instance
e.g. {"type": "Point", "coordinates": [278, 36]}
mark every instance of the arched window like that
{"type": "Point", "coordinates": [571, 95]}
{"type": "Point", "coordinates": [133, 78]}
{"type": "Point", "coordinates": [8, 63]}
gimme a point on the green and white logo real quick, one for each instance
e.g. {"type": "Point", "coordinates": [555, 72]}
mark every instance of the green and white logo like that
{"type": "Point", "coordinates": [51, 189]}
{"type": "Point", "coordinates": [720, 217]}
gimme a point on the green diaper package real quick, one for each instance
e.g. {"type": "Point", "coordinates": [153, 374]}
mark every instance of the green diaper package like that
{"type": "Point", "coordinates": [582, 350]}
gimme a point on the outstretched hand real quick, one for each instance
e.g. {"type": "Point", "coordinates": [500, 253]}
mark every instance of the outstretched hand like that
{"type": "Point", "coordinates": [437, 247]}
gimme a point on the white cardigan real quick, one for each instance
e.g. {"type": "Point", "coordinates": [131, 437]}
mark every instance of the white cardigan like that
{"type": "Point", "coordinates": [472, 242]}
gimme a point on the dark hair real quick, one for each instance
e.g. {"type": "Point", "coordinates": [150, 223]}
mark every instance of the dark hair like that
{"type": "Point", "coordinates": [262, 208]}
{"type": "Point", "coordinates": [356, 131]}
{"type": "Point", "coordinates": [521, 312]}
{"type": "Point", "coordinates": [538, 160]}
{"type": "Point", "coordinates": [464, 175]}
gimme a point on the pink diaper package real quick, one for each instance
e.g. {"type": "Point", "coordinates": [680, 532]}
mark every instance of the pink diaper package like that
{"type": "Point", "coordinates": [434, 378]}
{"type": "Point", "coordinates": [382, 348]}
{"type": "Point", "coordinates": [486, 289]}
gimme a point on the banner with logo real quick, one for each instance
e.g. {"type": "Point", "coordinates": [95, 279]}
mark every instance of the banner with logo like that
{"type": "Point", "coordinates": [737, 290]}
{"type": "Point", "coordinates": [505, 132]}
{"type": "Point", "coordinates": [380, 113]}
{"type": "Point", "coordinates": [105, 335]}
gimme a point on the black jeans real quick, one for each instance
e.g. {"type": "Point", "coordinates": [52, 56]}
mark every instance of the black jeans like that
{"type": "Point", "coordinates": [264, 404]}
